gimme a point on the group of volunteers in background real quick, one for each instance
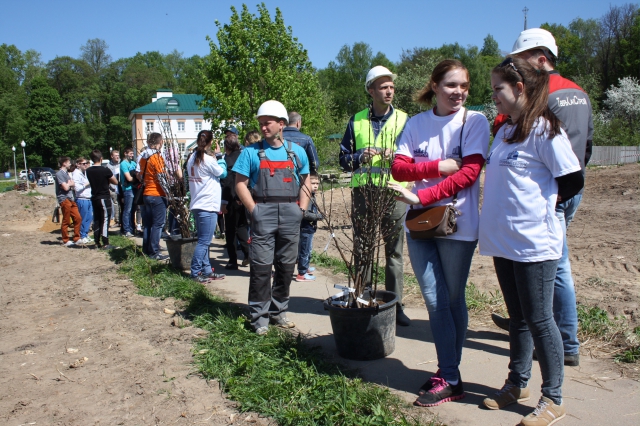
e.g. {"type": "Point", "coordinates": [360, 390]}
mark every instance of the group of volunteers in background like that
{"type": "Point", "coordinates": [534, 176]}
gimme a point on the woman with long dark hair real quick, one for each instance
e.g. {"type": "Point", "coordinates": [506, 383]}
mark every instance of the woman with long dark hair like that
{"type": "Point", "coordinates": [205, 173]}
{"type": "Point", "coordinates": [530, 168]}
{"type": "Point", "coordinates": [442, 151]}
{"type": "Point", "coordinates": [235, 218]}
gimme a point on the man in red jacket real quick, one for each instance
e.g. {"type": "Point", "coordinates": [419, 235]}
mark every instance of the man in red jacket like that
{"type": "Point", "coordinates": [571, 104]}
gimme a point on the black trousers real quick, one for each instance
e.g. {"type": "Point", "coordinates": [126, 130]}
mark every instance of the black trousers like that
{"type": "Point", "coordinates": [101, 217]}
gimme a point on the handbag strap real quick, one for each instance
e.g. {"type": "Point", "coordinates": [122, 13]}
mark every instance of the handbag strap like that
{"type": "Point", "coordinates": [464, 120]}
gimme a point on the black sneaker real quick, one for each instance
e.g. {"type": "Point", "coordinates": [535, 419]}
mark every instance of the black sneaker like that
{"type": "Point", "coordinates": [231, 266]}
{"type": "Point", "coordinates": [441, 392]}
{"type": "Point", "coordinates": [200, 279]}
{"type": "Point", "coordinates": [426, 387]}
{"type": "Point", "coordinates": [160, 257]}
{"type": "Point", "coordinates": [213, 276]}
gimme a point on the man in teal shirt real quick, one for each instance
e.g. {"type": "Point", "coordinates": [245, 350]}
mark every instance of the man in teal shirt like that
{"type": "Point", "coordinates": [127, 180]}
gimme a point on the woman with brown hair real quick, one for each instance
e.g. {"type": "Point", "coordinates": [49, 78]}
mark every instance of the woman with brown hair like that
{"type": "Point", "coordinates": [442, 151]}
{"type": "Point", "coordinates": [205, 173]}
{"type": "Point", "coordinates": [531, 167]}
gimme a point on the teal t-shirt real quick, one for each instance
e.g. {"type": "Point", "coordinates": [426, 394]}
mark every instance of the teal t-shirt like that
{"type": "Point", "coordinates": [126, 166]}
{"type": "Point", "coordinates": [248, 163]}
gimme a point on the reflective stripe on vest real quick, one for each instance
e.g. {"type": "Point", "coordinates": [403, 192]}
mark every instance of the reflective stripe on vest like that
{"type": "Point", "coordinates": [378, 170]}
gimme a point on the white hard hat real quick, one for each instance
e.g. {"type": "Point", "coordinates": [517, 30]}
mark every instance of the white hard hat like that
{"type": "Point", "coordinates": [535, 38]}
{"type": "Point", "coordinates": [273, 109]}
{"type": "Point", "coordinates": [377, 72]}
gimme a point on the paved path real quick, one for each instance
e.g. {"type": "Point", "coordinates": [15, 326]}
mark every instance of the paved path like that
{"type": "Point", "coordinates": [609, 400]}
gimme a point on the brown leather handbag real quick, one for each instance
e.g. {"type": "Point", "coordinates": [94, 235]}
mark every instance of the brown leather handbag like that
{"type": "Point", "coordinates": [431, 222]}
{"type": "Point", "coordinates": [439, 221]}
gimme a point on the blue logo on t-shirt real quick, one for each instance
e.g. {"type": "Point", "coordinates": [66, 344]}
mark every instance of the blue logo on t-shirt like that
{"type": "Point", "coordinates": [512, 161]}
{"type": "Point", "coordinates": [421, 152]}
{"type": "Point", "coordinates": [455, 153]}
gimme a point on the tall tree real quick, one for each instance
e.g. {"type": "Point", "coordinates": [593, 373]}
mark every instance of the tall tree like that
{"type": "Point", "coordinates": [257, 59]}
{"type": "Point", "coordinates": [345, 77]}
{"type": "Point", "coordinates": [490, 47]}
{"type": "Point", "coordinates": [95, 53]}
{"type": "Point", "coordinates": [46, 135]}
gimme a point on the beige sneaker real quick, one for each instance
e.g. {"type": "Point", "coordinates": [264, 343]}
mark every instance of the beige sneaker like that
{"type": "Point", "coordinates": [282, 322]}
{"type": "Point", "coordinates": [545, 414]}
{"type": "Point", "coordinates": [509, 394]}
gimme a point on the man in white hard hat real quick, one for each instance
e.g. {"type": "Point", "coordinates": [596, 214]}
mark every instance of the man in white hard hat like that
{"type": "Point", "coordinates": [366, 150]}
{"type": "Point", "coordinates": [277, 171]}
{"type": "Point", "coordinates": [571, 104]}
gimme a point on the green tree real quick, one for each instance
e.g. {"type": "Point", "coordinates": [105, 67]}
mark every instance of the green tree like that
{"type": "Point", "coordinates": [257, 59]}
{"type": "Point", "coordinates": [17, 69]}
{"type": "Point", "coordinates": [490, 47]}
{"type": "Point", "coordinates": [94, 52]}
{"type": "Point", "coordinates": [345, 77]}
{"type": "Point", "coordinates": [46, 135]}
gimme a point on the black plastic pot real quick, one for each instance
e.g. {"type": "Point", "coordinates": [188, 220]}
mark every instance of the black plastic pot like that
{"type": "Point", "coordinates": [365, 333]}
{"type": "Point", "coordinates": [181, 251]}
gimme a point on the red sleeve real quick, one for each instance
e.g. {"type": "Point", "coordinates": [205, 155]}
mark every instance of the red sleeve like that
{"type": "Point", "coordinates": [463, 178]}
{"type": "Point", "coordinates": [405, 169]}
{"type": "Point", "coordinates": [499, 122]}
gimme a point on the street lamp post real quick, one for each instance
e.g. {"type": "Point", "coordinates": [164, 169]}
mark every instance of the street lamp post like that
{"type": "Point", "coordinates": [15, 169]}
{"type": "Point", "coordinates": [24, 156]}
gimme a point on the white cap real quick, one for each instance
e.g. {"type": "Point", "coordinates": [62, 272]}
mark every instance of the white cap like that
{"type": "Point", "coordinates": [273, 109]}
{"type": "Point", "coordinates": [377, 72]}
{"type": "Point", "coordinates": [535, 38]}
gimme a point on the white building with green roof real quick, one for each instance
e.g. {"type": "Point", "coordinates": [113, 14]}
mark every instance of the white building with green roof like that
{"type": "Point", "coordinates": [178, 117]}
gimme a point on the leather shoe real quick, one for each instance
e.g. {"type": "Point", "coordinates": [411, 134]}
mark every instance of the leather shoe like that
{"type": "Point", "coordinates": [501, 321]}
{"type": "Point", "coordinates": [402, 319]}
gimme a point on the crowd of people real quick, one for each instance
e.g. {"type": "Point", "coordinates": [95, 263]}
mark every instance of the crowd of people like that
{"type": "Point", "coordinates": [265, 192]}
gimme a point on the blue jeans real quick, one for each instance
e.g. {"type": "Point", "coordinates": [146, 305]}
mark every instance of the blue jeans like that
{"type": "Point", "coordinates": [153, 216]}
{"type": "Point", "coordinates": [206, 222]}
{"type": "Point", "coordinates": [528, 293]}
{"type": "Point", "coordinates": [564, 297]}
{"type": "Point", "coordinates": [128, 213]}
{"type": "Point", "coordinates": [442, 267]}
{"type": "Point", "coordinates": [304, 251]}
{"type": "Point", "coordinates": [86, 212]}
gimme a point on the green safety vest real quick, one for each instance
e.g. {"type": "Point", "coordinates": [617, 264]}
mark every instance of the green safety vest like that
{"type": "Point", "coordinates": [378, 168]}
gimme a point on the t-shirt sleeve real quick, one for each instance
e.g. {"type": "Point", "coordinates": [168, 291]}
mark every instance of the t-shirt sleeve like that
{"type": "Point", "coordinates": [476, 136]}
{"type": "Point", "coordinates": [404, 143]}
{"type": "Point", "coordinates": [61, 176]}
{"type": "Point", "coordinates": [557, 155]}
{"type": "Point", "coordinates": [243, 163]}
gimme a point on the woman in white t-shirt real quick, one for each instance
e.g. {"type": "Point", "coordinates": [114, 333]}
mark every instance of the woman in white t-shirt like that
{"type": "Point", "coordinates": [531, 167]}
{"type": "Point", "coordinates": [205, 173]}
{"type": "Point", "coordinates": [442, 151]}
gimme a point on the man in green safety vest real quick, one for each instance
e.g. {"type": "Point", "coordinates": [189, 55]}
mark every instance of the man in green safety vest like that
{"type": "Point", "coordinates": [366, 151]}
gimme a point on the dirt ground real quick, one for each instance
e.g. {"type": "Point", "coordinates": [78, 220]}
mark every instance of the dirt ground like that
{"type": "Point", "coordinates": [62, 306]}
{"type": "Point", "coordinates": [603, 242]}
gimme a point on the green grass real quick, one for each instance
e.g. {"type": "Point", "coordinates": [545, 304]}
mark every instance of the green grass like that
{"type": "Point", "coordinates": [479, 301]}
{"type": "Point", "coordinates": [7, 185]}
{"type": "Point", "coordinates": [278, 375]}
{"type": "Point", "coordinates": [593, 321]}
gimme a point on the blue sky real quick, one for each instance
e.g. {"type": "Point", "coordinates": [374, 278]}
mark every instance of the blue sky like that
{"type": "Point", "coordinates": [60, 27]}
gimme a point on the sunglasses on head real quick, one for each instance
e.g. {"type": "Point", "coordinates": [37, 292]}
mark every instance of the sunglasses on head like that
{"type": "Point", "coordinates": [509, 61]}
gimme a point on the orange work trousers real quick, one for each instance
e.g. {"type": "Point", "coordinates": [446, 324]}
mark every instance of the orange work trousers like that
{"type": "Point", "coordinates": [70, 210]}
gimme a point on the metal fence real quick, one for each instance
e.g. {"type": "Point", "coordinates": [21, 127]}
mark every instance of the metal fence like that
{"type": "Point", "coordinates": [610, 155]}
